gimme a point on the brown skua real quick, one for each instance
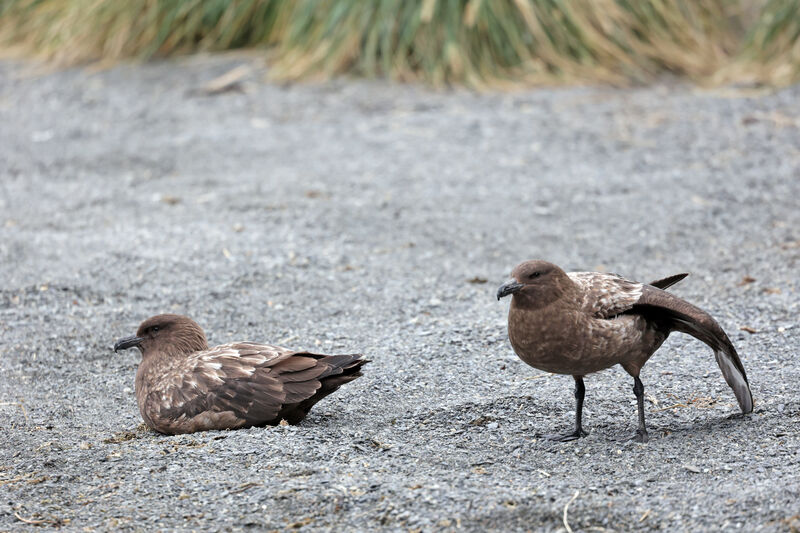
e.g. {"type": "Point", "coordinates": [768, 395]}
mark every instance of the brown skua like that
{"type": "Point", "coordinates": [183, 386]}
{"type": "Point", "coordinates": [578, 323]}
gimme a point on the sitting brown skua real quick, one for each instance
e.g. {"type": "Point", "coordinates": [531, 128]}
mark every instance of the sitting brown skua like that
{"type": "Point", "coordinates": [183, 386]}
{"type": "Point", "coordinates": [582, 322]}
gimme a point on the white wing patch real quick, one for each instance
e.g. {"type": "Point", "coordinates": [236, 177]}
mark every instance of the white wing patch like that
{"type": "Point", "coordinates": [606, 295]}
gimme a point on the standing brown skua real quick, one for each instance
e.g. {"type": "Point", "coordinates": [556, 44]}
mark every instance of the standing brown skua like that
{"type": "Point", "coordinates": [582, 322]}
{"type": "Point", "coordinates": [183, 386]}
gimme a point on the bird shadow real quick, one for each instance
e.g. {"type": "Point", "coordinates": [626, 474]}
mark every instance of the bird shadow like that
{"type": "Point", "coordinates": [700, 428]}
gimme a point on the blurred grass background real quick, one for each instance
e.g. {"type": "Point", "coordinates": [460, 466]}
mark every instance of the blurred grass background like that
{"type": "Point", "coordinates": [479, 43]}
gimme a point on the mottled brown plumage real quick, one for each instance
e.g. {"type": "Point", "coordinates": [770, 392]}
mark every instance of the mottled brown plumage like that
{"type": "Point", "coordinates": [183, 386]}
{"type": "Point", "coordinates": [584, 322]}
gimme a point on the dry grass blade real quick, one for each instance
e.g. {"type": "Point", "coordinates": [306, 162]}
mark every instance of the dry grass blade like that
{"type": "Point", "coordinates": [230, 81]}
{"type": "Point", "coordinates": [31, 521]}
{"type": "Point", "coordinates": [566, 507]}
{"type": "Point", "coordinates": [673, 406]}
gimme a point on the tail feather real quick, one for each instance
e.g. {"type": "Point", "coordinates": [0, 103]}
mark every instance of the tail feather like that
{"type": "Point", "coordinates": [726, 356]}
{"type": "Point", "coordinates": [736, 379]}
{"type": "Point", "coordinates": [682, 316]}
{"type": "Point", "coordinates": [341, 369]}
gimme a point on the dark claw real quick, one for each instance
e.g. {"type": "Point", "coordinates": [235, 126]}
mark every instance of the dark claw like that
{"type": "Point", "coordinates": [566, 437]}
{"type": "Point", "coordinates": [641, 436]}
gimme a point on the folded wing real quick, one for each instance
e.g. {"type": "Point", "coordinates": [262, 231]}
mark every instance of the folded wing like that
{"type": "Point", "coordinates": [246, 384]}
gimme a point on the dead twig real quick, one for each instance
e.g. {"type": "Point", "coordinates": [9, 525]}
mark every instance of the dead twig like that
{"type": "Point", "coordinates": [566, 523]}
{"type": "Point", "coordinates": [244, 486]}
{"type": "Point", "coordinates": [675, 406]}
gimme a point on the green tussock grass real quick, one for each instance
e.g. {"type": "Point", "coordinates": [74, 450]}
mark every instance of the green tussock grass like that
{"type": "Point", "coordinates": [772, 50]}
{"type": "Point", "coordinates": [77, 31]}
{"type": "Point", "coordinates": [474, 42]}
{"type": "Point", "coordinates": [525, 41]}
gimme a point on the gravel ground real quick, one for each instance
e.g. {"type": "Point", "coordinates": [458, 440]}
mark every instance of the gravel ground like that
{"type": "Point", "coordinates": [365, 216]}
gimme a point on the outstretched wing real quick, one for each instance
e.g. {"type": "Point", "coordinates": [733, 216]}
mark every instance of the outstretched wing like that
{"type": "Point", "coordinates": [680, 315]}
{"type": "Point", "coordinates": [608, 295]}
{"type": "Point", "coordinates": [235, 385]}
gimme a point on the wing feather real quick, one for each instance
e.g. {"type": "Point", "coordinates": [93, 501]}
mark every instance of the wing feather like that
{"type": "Point", "coordinates": [240, 384]}
{"type": "Point", "coordinates": [682, 316]}
{"type": "Point", "coordinates": [606, 295]}
{"type": "Point", "coordinates": [665, 283]}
